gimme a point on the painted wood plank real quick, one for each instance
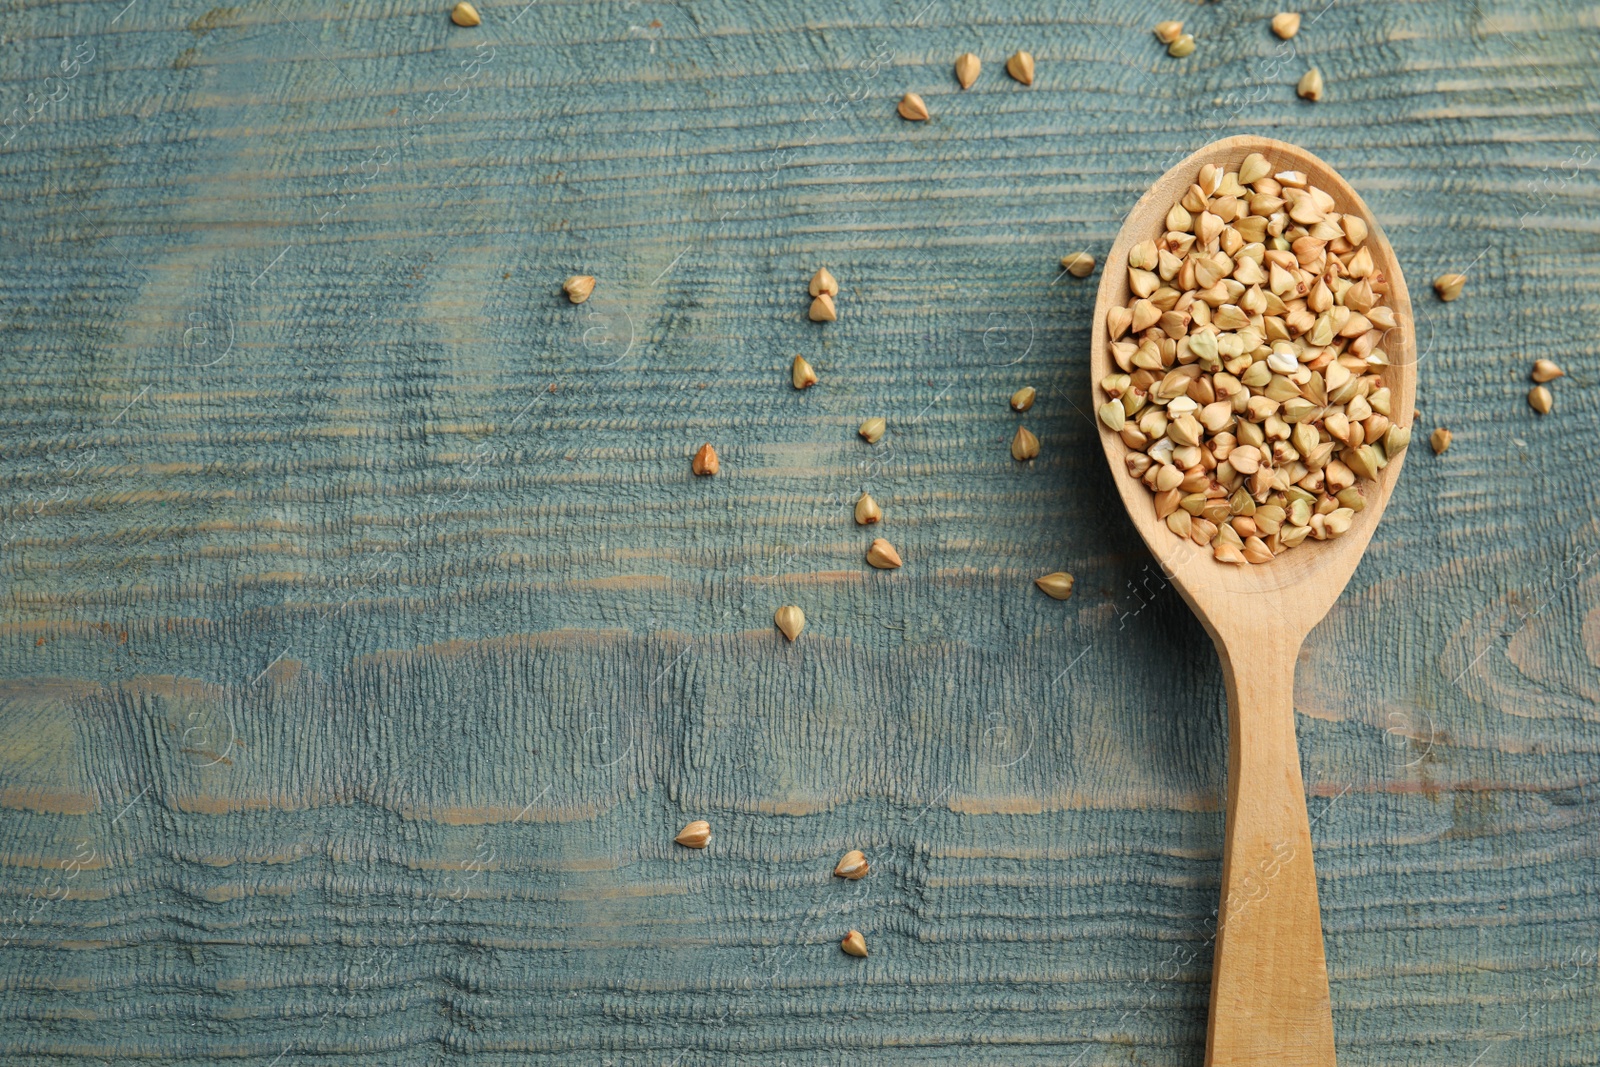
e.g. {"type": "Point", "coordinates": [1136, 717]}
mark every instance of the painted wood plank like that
{"type": "Point", "coordinates": [365, 639]}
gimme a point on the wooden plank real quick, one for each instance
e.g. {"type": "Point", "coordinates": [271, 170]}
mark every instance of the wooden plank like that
{"type": "Point", "coordinates": [365, 638]}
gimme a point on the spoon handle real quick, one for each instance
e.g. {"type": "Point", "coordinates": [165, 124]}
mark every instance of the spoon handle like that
{"type": "Point", "coordinates": [1269, 982]}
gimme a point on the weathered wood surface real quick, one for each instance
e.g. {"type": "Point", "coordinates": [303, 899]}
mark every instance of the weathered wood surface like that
{"type": "Point", "coordinates": [366, 639]}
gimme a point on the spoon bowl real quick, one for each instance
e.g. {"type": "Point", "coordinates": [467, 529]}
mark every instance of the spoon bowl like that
{"type": "Point", "coordinates": [1269, 995]}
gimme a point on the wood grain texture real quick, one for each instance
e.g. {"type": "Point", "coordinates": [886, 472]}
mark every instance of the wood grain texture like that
{"type": "Point", "coordinates": [365, 638]}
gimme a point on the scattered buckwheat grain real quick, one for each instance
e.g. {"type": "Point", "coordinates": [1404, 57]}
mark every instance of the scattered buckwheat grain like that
{"type": "Point", "coordinates": [852, 865]}
{"type": "Point", "coordinates": [802, 373]}
{"type": "Point", "coordinates": [1449, 286]}
{"type": "Point", "coordinates": [912, 109]}
{"type": "Point", "coordinates": [882, 555]}
{"type": "Point", "coordinates": [1545, 370]}
{"type": "Point", "coordinates": [1078, 264]}
{"type": "Point", "coordinates": [968, 67]}
{"type": "Point", "coordinates": [1057, 585]}
{"type": "Point", "coordinates": [1024, 446]}
{"type": "Point", "coordinates": [791, 620]}
{"type": "Point", "coordinates": [1020, 67]}
{"type": "Point", "coordinates": [705, 461]}
{"type": "Point", "coordinates": [578, 288]}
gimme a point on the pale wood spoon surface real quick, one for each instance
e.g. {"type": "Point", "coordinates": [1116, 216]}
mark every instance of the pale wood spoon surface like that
{"type": "Point", "coordinates": [1269, 992]}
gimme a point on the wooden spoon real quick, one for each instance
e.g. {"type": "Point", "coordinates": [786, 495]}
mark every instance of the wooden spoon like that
{"type": "Point", "coordinates": [1269, 988]}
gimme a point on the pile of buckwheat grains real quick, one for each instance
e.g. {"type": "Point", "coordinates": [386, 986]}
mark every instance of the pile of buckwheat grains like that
{"type": "Point", "coordinates": [1249, 382]}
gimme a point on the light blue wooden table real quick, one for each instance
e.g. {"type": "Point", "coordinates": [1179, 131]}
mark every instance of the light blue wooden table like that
{"type": "Point", "coordinates": [366, 639]}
